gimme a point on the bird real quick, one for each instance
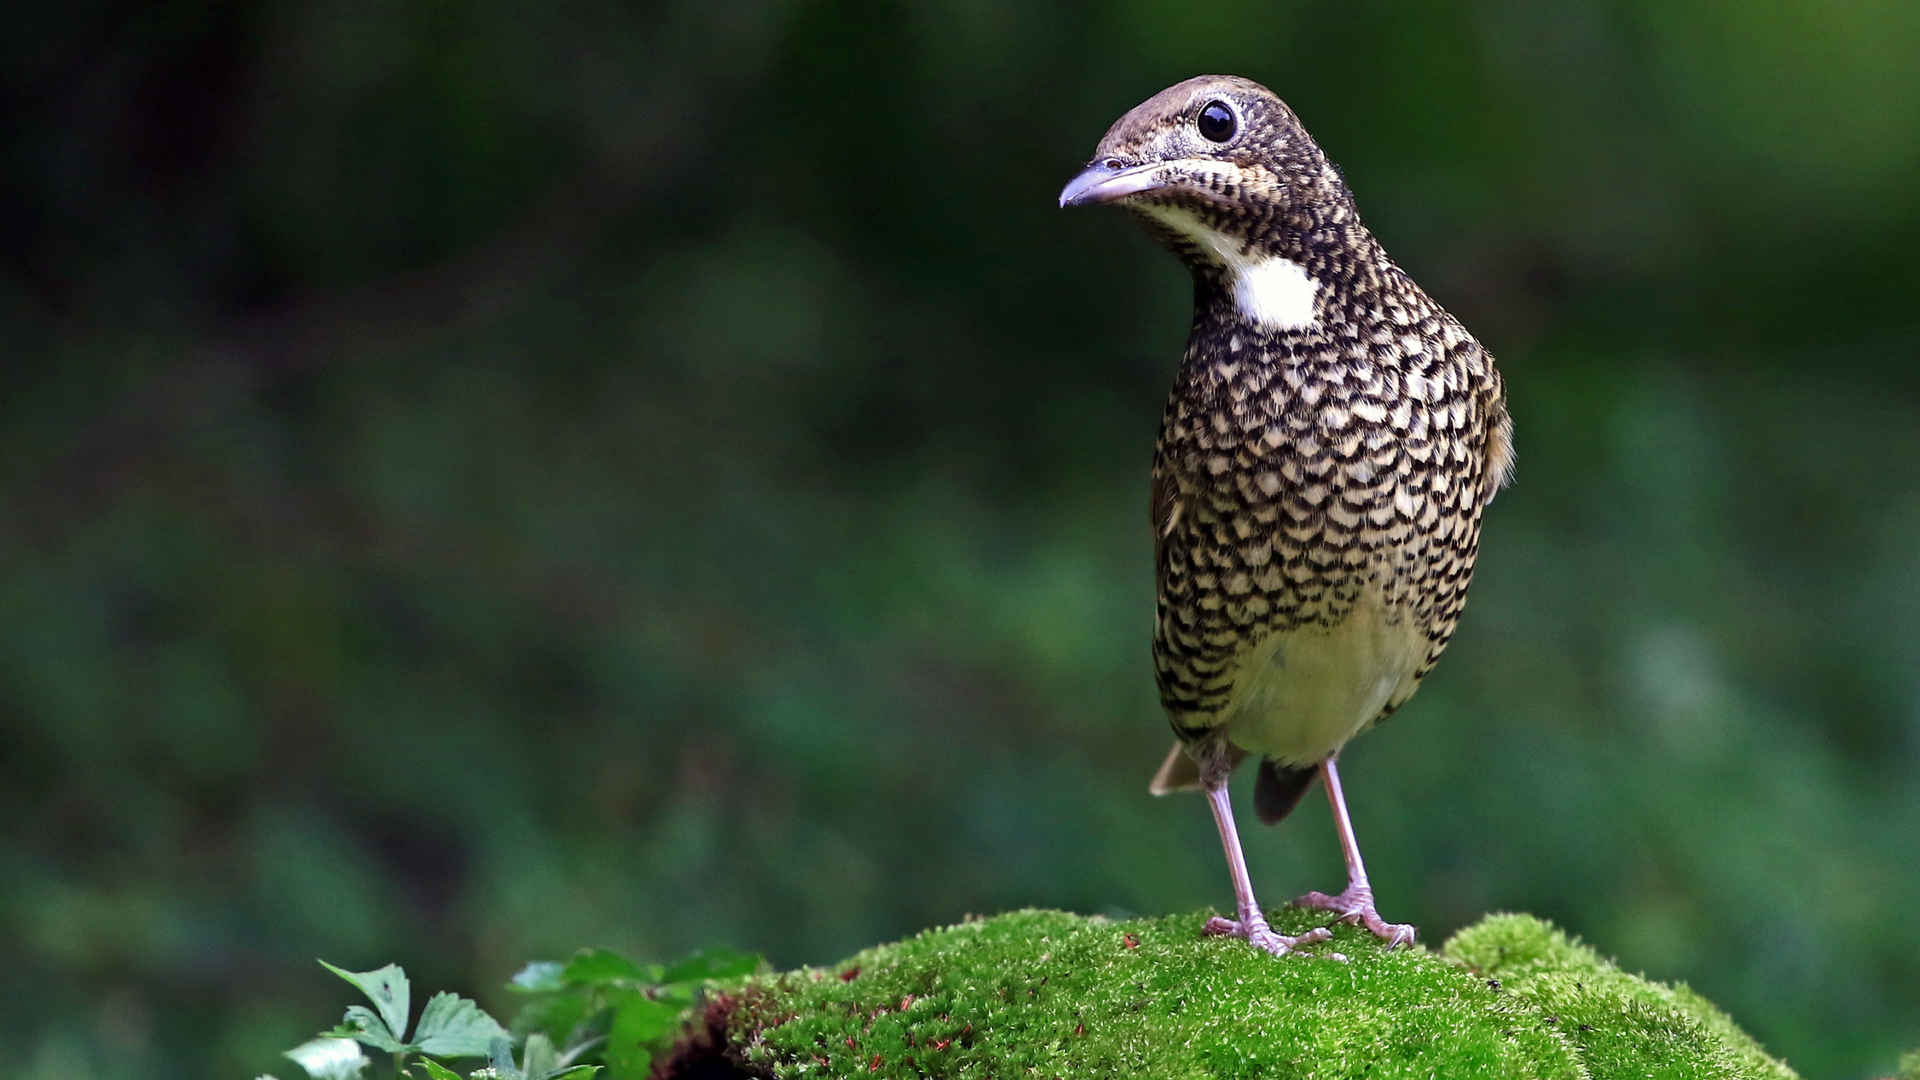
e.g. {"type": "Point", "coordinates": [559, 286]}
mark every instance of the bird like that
{"type": "Point", "coordinates": [1324, 461]}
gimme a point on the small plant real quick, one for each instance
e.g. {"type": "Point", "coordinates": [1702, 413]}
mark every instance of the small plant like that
{"type": "Point", "coordinates": [598, 1010]}
{"type": "Point", "coordinates": [627, 1012]}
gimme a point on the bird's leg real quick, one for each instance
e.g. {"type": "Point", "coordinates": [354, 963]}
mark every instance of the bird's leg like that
{"type": "Point", "coordinates": [1355, 905]}
{"type": "Point", "coordinates": [1252, 924]}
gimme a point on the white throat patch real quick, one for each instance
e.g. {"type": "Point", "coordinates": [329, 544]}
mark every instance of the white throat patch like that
{"type": "Point", "coordinates": [1273, 292]}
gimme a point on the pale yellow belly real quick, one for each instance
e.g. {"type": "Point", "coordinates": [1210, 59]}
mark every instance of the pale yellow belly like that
{"type": "Point", "coordinates": [1301, 695]}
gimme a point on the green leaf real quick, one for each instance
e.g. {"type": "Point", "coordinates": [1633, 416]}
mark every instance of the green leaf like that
{"type": "Point", "coordinates": [541, 976]}
{"type": "Point", "coordinates": [678, 996]}
{"type": "Point", "coordinates": [713, 964]}
{"type": "Point", "coordinates": [329, 1059]}
{"type": "Point", "coordinates": [362, 1025]}
{"type": "Point", "coordinates": [538, 1057]}
{"type": "Point", "coordinates": [453, 1026]}
{"type": "Point", "coordinates": [640, 1024]}
{"type": "Point", "coordinates": [437, 1071]}
{"type": "Point", "coordinates": [582, 1040]}
{"type": "Point", "coordinates": [561, 1017]}
{"type": "Point", "coordinates": [639, 1018]}
{"type": "Point", "coordinates": [540, 1061]}
{"type": "Point", "coordinates": [500, 1059]}
{"type": "Point", "coordinates": [599, 967]}
{"type": "Point", "coordinates": [388, 990]}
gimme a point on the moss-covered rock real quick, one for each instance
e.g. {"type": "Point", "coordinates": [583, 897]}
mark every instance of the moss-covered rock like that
{"type": "Point", "coordinates": [1045, 993]}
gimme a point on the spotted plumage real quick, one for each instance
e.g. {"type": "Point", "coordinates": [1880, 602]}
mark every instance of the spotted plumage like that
{"type": "Point", "coordinates": [1331, 442]}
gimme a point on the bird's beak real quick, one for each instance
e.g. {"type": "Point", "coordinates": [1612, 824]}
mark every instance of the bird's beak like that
{"type": "Point", "coordinates": [1108, 180]}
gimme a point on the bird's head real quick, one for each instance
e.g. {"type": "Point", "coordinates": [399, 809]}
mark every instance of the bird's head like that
{"type": "Point", "coordinates": [1223, 174]}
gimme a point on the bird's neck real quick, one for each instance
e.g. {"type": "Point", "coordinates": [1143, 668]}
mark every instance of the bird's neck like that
{"type": "Point", "coordinates": [1283, 277]}
{"type": "Point", "coordinates": [1289, 282]}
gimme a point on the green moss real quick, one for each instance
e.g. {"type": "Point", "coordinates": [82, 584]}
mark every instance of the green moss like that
{"type": "Point", "coordinates": [1623, 1025]}
{"type": "Point", "coordinates": [1044, 993]}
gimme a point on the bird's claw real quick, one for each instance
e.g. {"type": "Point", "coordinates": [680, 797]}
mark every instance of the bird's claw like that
{"type": "Point", "coordinates": [1355, 907]}
{"type": "Point", "coordinates": [1257, 933]}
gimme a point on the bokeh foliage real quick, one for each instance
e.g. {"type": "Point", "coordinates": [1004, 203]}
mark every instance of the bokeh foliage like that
{"type": "Point", "coordinates": [482, 479]}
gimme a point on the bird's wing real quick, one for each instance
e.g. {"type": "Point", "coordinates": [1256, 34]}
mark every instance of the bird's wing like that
{"type": "Point", "coordinates": [1499, 466]}
{"type": "Point", "coordinates": [1163, 512]}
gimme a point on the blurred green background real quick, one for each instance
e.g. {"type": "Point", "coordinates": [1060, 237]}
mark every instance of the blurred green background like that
{"type": "Point", "coordinates": [483, 478]}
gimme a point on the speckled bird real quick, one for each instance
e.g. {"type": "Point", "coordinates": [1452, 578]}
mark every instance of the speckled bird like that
{"type": "Point", "coordinates": [1332, 440]}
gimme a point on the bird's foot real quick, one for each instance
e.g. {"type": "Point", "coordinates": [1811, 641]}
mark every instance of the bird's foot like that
{"type": "Point", "coordinates": [1355, 906]}
{"type": "Point", "coordinates": [1255, 932]}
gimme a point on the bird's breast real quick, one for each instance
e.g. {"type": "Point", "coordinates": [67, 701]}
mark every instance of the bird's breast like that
{"type": "Point", "coordinates": [1301, 694]}
{"type": "Point", "coordinates": [1309, 481]}
{"type": "Point", "coordinates": [1323, 535]}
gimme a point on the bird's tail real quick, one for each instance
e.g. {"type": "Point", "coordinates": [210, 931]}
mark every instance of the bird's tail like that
{"type": "Point", "coordinates": [1280, 788]}
{"type": "Point", "coordinates": [1178, 773]}
{"type": "Point", "coordinates": [1181, 773]}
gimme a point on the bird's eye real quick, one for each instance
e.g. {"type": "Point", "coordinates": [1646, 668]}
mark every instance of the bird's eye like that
{"type": "Point", "coordinates": [1216, 121]}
